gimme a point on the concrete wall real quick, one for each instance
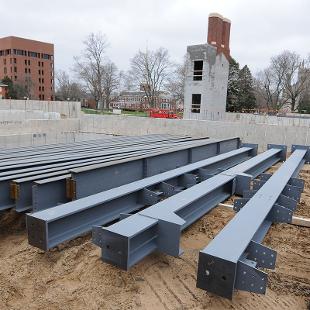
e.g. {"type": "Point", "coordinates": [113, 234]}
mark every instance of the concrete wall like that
{"type": "Point", "coordinates": [253, 133]}
{"type": "Point", "coordinates": [20, 115]}
{"type": "Point", "coordinates": [39, 126]}
{"type": "Point", "coordinates": [67, 109]}
{"type": "Point", "coordinates": [28, 139]}
{"type": "Point", "coordinates": [291, 120]}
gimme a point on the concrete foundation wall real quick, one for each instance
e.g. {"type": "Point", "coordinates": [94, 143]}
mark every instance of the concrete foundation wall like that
{"type": "Point", "coordinates": [291, 120]}
{"type": "Point", "coordinates": [28, 139]}
{"type": "Point", "coordinates": [39, 126]}
{"type": "Point", "coordinates": [252, 133]}
{"type": "Point", "coordinates": [66, 109]}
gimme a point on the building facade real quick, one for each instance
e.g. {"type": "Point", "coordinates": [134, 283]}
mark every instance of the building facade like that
{"type": "Point", "coordinates": [137, 100]}
{"type": "Point", "coordinates": [28, 63]}
{"type": "Point", "coordinates": [207, 67]}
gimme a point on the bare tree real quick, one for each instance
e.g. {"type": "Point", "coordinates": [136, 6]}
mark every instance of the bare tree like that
{"type": "Point", "coordinates": [296, 78]}
{"type": "Point", "coordinates": [66, 89]}
{"type": "Point", "coordinates": [90, 66]}
{"type": "Point", "coordinates": [283, 82]}
{"type": "Point", "coordinates": [151, 70]}
{"type": "Point", "coordinates": [176, 81]}
{"type": "Point", "coordinates": [110, 82]}
{"type": "Point", "coordinates": [24, 88]}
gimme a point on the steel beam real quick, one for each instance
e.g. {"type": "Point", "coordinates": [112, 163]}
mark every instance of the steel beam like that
{"type": "Point", "coordinates": [231, 260]}
{"type": "Point", "coordinates": [91, 180]}
{"type": "Point", "coordinates": [50, 227]}
{"type": "Point", "coordinates": [158, 228]}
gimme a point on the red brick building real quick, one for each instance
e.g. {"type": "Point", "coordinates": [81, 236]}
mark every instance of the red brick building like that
{"type": "Point", "coordinates": [3, 91]}
{"type": "Point", "coordinates": [29, 63]}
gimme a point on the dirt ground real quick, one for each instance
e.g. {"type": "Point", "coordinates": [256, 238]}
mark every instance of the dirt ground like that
{"type": "Point", "coordinates": [72, 276]}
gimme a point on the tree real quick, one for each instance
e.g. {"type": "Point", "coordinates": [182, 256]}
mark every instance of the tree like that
{"type": "Point", "coordinates": [111, 81]}
{"type": "Point", "coordinates": [151, 69]}
{"type": "Point", "coordinates": [90, 66]}
{"type": "Point", "coordinates": [245, 95]}
{"type": "Point", "coordinates": [176, 81]}
{"type": "Point", "coordinates": [232, 104]}
{"type": "Point", "coordinates": [283, 82]}
{"type": "Point", "coordinates": [66, 89]}
{"type": "Point", "coordinates": [11, 91]}
{"type": "Point", "coordinates": [296, 77]}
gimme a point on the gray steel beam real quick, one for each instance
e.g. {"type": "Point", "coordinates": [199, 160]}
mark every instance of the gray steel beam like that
{"type": "Point", "coordinates": [90, 180]}
{"type": "Point", "coordinates": [124, 142]}
{"type": "Point", "coordinates": [133, 169]}
{"type": "Point", "coordinates": [50, 227]}
{"type": "Point", "coordinates": [28, 162]}
{"type": "Point", "coordinates": [158, 228]}
{"type": "Point", "coordinates": [231, 259]}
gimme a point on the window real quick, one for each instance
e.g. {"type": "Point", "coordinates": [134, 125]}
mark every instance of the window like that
{"type": "Point", "coordinates": [15, 60]}
{"type": "Point", "coordinates": [42, 72]}
{"type": "Point", "coordinates": [39, 88]}
{"type": "Point", "coordinates": [4, 61]}
{"type": "Point", "coordinates": [28, 62]}
{"type": "Point", "coordinates": [5, 70]}
{"type": "Point", "coordinates": [15, 69]}
{"type": "Point", "coordinates": [29, 70]}
{"type": "Point", "coordinates": [42, 80]}
{"type": "Point", "coordinates": [42, 64]}
{"type": "Point", "coordinates": [25, 70]}
{"type": "Point", "coordinates": [25, 62]}
{"type": "Point", "coordinates": [39, 63]}
{"type": "Point", "coordinates": [15, 77]}
{"type": "Point", "coordinates": [196, 102]}
{"type": "Point", "coordinates": [39, 80]}
{"type": "Point", "coordinates": [39, 72]}
{"type": "Point", "coordinates": [42, 88]}
{"type": "Point", "coordinates": [198, 68]}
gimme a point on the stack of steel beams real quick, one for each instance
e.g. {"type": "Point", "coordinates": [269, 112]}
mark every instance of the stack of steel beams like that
{"type": "Point", "coordinates": [40, 177]}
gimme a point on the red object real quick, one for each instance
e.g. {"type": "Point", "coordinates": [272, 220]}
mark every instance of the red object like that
{"type": "Point", "coordinates": [162, 114]}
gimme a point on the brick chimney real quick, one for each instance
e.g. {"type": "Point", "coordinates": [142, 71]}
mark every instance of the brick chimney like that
{"type": "Point", "coordinates": [219, 33]}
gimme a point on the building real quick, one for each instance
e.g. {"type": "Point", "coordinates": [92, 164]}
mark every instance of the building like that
{"type": "Point", "coordinates": [137, 100]}
{"type": "Point", "coordinates": [207, 67]}
{"type": "Point", "coordinates": [29, 63]}
{"type": "Point", "coordinates": [3, 91]}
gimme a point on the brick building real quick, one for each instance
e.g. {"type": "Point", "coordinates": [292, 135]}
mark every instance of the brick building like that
{"type": "Point", "coordinates": [29, 63]}
{"type": "Point", "coordinates": [3, 91]}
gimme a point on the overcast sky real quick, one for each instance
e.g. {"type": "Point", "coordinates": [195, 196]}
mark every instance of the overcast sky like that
{"type": "Point", "coordinates": [260, 28]}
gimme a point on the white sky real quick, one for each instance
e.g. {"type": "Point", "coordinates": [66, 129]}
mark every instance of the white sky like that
{"type": "Point", "coordinates": [260, 28]}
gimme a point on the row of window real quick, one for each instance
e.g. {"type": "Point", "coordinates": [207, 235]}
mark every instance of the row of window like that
{"type": "Point", "coordinates": [25, 53]}
{"type": "Point", "coordinates": [27, 62]}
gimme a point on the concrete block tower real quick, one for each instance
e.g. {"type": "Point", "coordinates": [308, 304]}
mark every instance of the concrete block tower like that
{"type": "Point", "coordinates": [207, 68]}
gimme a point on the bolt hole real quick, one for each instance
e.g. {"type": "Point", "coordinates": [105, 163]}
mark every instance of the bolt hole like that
{"type": "Point", "coordinates": [108, 246]}
{"type": "Point", "coordinates": [224, 278]}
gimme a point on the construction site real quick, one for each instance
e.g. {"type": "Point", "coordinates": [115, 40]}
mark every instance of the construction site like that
{"type": "Point", "coordinates": [99, 213]}
{"type": "Point", "coordinates": [210, 211]}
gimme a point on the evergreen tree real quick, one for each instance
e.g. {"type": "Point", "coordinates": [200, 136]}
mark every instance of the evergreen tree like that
{"type": "Point", "coordinates": [233, 86]}
{"type": "Point", "coordinates": [304, 104]}
{"type": "Point", "coordinates": [246, 97]}
{"type": "Point", "coordinates": [11, 90]}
